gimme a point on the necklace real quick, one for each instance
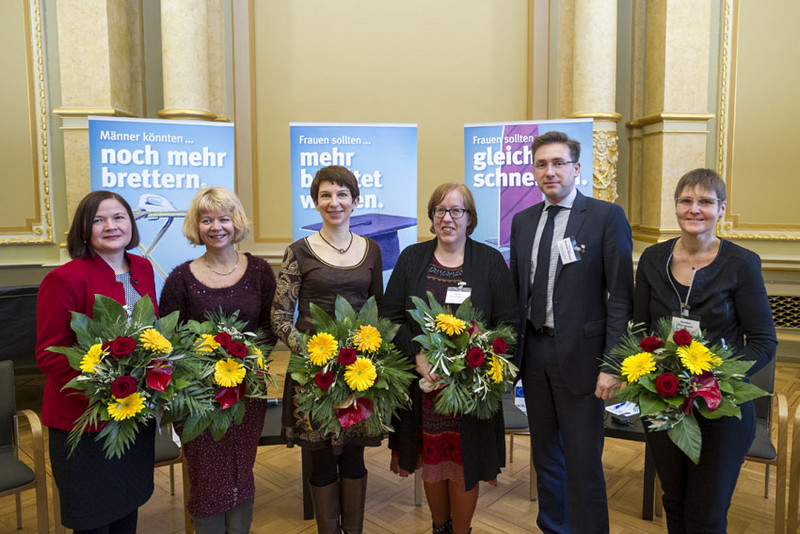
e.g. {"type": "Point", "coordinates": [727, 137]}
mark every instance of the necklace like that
{"type": "Point", "coordinates": [701, 259]}
{"type": "Point", "coordinates": [235, 265]}
{"type": "Point", "coordinates": [334, 247]}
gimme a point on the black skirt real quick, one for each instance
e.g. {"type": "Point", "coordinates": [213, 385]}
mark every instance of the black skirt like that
{"type": "Point", "coordinates": [95, 491]}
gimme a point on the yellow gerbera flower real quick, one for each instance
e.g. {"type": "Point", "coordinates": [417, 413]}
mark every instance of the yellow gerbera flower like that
{"type": "Point", "coordinates": [321, 348]}
{"type": "Point", "coordinates": [495, 369]}
{"type": "Point", "coordinates": [450, 325]}
{"type": "Point", "coordinates": [153, 340]}
{"type": "Point", "coordinates": [206, 343]}
{"type": "Point", "coordinates": [91, 359]}
{"type": "Point", "coordinates": [367, 338]}
{"type": "Point", "coordinates": [695, 357]}
{"type": "Point", "coordinates": [260, 360]}
{"type": "Point", "coordinates": [127, 407]}
{"type": "Point", "coordinates": [229, 373]}
{"type": "Point", "coordinates": [716, 361]}
{"type": "Point", "coordinates": [636, 366]}
{"type": "Point", "coordinates": [360, 375]}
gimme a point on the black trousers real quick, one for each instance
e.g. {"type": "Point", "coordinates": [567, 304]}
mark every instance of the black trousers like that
{"type": "Point", "coordinates": [697, 497]}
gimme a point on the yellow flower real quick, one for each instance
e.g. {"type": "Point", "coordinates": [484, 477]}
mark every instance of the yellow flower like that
{"type": "Point", "coordinates": [495, 369]}
{"type": "Point", "coordinates": [127, 407]}
{"type": "Point", "coordinates": [636, 366]}
{"type": "Point", "coordinates": [229, 373]}
{"type": "Point", "coordinates": [696, 357]}
{"type": "Point", "coordinates": [321, 348]}
{"type": "Point", "coordinates": [367, 338]}
{"type": "Point", "coordinates": [153, 340]}
{"type": "Point", "coordinates": [360, 375]}
{"type": "Point", "coordinates": [260, 360]}
{"type": "Point", "coordinates": [452, 326]}
{"type": "Point", "coordinates": [206, 343]}
{"type": "Point", "coordinates": [716, 361]}
{"type": "Point", "coordinates": [91, 359]}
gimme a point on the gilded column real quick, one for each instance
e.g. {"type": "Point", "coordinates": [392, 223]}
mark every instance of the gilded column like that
{"type": "Point", "coordinates": [186, 58]}
{"type": "Point", "coordinates": [99, 47]}
{"type": "Point", "coordinates": [594, 78]}
{"type": "Point", "coordinates": [670, 115]}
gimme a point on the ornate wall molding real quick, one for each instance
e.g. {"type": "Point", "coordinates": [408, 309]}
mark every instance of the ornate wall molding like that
{"type": "Point", "coordinates": [39, 229]}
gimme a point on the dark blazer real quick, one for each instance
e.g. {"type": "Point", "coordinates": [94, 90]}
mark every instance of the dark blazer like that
{"type": "Point", "coordinates": [592, 298]}
{"type": "Point", "coordinates": [482, 441]}
{"type": "Point", "coordinates": [72, 287]}
{"type": "Point", "coordinates": [728, 295]}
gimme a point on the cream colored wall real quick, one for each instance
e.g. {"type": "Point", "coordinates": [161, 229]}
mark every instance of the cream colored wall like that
{"type": "Point", "coordinates": [438, 64]}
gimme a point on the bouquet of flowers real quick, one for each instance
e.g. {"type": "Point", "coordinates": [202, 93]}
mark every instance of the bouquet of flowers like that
{"type": "Point", "coordinates": [472, 358]}
{"type": "Point", "coordinates": [128, 370]}
{"type": "Point", "coordinates": [349, 372]}
{"type": "Point", "coordinates": [669, 372]}
{"type": "Point", "coordinates": [227, 365]}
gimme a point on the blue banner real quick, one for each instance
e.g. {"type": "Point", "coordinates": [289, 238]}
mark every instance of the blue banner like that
{"type": "Point", "coordinates": [498, 169]}
{"type": "Point", "coordinates": [383, 158]}
{"type": "Point", "coordinates": [158, 166]}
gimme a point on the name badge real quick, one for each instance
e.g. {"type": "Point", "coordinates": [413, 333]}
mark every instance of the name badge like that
{"type": "Point", "coordinates": [457, 295]}
{"type": "Point", "coordinates": [568, 250]}
{"type": "Point", "coordinates": [689, 323]}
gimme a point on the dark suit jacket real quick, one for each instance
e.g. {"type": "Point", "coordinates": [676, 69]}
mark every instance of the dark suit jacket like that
{"type": "Point", "coordinates": [592, 298]}
{"type": "Point", "coordinates": [72, 287]}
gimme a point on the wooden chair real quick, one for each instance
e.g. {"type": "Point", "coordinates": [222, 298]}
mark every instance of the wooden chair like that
{"type": "Point", "coordinates": [15, 475]}
{"type": "Point", "coordinates": [794, 478]}
{"type": "Point", "coordinates": [168, 453]}
{"type": "Point", "coordinates": [516, 423]}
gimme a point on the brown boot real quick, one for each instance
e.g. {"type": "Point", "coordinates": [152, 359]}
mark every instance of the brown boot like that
{"type": "Point", "coordinates": [354, 494]}
{"type": "Point", "coordinates": [326, 507]}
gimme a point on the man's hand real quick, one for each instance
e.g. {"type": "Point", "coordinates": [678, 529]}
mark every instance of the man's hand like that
{"type": "Point", "coordinates": [424, 369]}
{"type": "Point", "coordinates": [606, 386]}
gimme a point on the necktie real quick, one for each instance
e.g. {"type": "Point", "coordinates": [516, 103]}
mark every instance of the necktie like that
{"type": "Point", "coordinates": [538, 301]}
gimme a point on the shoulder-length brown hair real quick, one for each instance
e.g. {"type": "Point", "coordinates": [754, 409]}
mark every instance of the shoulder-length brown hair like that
{"type": "Point", "coordinates": [79, 238]}
{"type": "Point", "coordinates": [469, 203]}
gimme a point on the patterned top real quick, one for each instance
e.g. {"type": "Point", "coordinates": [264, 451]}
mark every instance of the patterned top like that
{"type": "Point", "coordinates": [306, 278]}
{"type": "Point", "coordinates": [221, 472]}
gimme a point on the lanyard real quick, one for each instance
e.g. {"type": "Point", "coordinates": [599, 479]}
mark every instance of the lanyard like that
{"type": "Point", "coordinates": [685, 303]}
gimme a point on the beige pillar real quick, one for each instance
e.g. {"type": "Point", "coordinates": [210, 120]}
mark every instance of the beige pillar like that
{"type": "Point", "coordinates": [594, 78]}
{"type": "Point", "coordinates": [186, 58]}
{"type": "Point", "coordinates": [100, 57]}
{"type": "Point", "coordinates": [669, 128]}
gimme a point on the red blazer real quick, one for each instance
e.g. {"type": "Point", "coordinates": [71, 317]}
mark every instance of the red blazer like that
{"type": "Point", "coordinates": [68, 288]}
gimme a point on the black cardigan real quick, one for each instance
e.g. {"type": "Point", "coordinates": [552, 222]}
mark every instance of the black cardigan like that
{"type": "Point", "coordinates": [728, 295]}
{"type": "Point", "coordinates": [485, 272]}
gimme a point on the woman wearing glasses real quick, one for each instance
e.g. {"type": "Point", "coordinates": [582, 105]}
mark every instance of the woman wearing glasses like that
{"type": "Point", "coordinates": [719, 286]}
{"type": "Point", "coordinates": [457, 452]}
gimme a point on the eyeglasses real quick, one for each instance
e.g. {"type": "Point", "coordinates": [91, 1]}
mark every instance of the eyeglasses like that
{"type": "Point", "coordinates": [687, 202]}
{"type": "Point", "coordinates": [557, 164]}
{"type": "Point", "coordinates": [455, 213]}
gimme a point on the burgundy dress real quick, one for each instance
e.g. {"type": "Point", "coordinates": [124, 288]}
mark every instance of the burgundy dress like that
{"type": "Point", "coordinates": [305, 278]}
{"type": "Point", "coordinates": [221, 472]}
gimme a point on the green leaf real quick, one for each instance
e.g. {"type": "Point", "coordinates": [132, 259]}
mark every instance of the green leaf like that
{"type": "Point", "coordinates": [167, 325]}
{"type": "Point", "coordinates": [647, 382]}
{"type": "Point", "coordinates": [368, 314]}
{"type": "Point", "coordinates": [726, 408]}
{"type": "Point", "coordinates": [687, 437]}
{"type": "Point", "coordinates": [80, 325]}
{"type": "Point", "coordinates": [322, 321]}
{"type": "Point", "coordinates": [745, 391]}
{"type": "Point", "coordinates": [106, 309]}
{"type": "Point", "coordinates": [650, 404]}
{"type": "Point", "coordinates": [143, 311]}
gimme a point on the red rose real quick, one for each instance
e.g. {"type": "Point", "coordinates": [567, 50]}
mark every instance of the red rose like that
{"type": "Point", "coordinates": [650, 344]}
{"type": "Point", "coordinates": [224, 339]}
{"type": "Point", "coordinates": [682, 337]}
{"type": "Point", "coordinates": [667, 384]}
{"type": "Point", "coordinates": [346, 356]}
{"type": "Point", "coordinates": [123, 386]}
{"type": "Point", "coordinates": [227, 397]}
{"type": "Point", "coordinates": [323, 380]}
{"type": "Point", "coordinates": [474, 328]}
{"type": "Point", "coordinates": [236, 349]}
{"type": "Point", "coordinates": [159, 376]}
{"type": "Point", "coordinates": [475, 357]}
{"type": "Point", "coordinates": [499, 345]}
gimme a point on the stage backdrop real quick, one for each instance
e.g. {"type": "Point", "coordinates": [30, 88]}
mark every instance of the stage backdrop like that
{"type": "Point", "coordinates": [383, 158]}
{"type": "Point", "coordinates": [498, 169]}
{"type": "Point", "coordinates": [158, 166]}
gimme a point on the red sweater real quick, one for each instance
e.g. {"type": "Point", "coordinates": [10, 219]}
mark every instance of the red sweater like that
{"type": "Point", "coordinates": [69, 288]}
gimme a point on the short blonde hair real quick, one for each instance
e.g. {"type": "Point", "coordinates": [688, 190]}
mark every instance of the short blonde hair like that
{"type": "Point", "coordinates": [217, 199]}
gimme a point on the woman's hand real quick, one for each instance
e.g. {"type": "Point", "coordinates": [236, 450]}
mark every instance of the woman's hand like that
{"type": "Point", "coordinates": [424, 369]}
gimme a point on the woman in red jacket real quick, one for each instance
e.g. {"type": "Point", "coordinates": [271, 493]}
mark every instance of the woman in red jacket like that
{"type": "Point", "coordinates": [97, 495]}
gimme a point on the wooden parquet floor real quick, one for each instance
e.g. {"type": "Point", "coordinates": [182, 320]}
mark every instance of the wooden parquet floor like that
{"type": "Point", "coordinates": [390, 499]}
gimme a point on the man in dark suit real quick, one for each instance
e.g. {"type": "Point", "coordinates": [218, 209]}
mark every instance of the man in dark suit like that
{"type": "Point", "coordinates": [576, 293]}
